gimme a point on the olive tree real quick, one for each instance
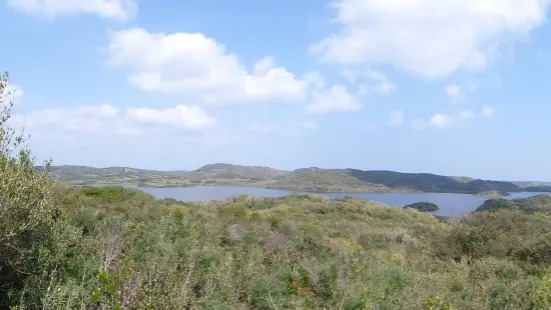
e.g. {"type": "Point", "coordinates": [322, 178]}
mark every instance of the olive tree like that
{"type": "Point", "coordinates": [27, 206]}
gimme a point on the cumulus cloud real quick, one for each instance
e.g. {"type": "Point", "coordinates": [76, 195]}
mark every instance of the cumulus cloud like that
{"type": "Point", "coordinates": [109, 120]}
{"type": "Point", "coordinates": [191, 117]}
{"type": "Point", "coordinates": [454, 93]}
{"type": "Point", "coordinates": [396, 118]}
{"type": "Point", "coordinates": [284, 129]}
{"type": "Point", "coordinates": [337, 99]}
{"type": "Point", "coordinates": [488, 111]}
{"type": "Point", "coordinates": [192, 62]}
{"type": "Point", "coordinates": [466, 114]}
{"type": "Point", "coordinates": [438, 121]}
{"type": "Point", "coordinates": [443, 120]}
{"type": "Point", "coordinates": [430, 38]}
{"type": "Point", "coordinates": [382, 83]}
{"type": "Point", "coordinates": [120, 10]}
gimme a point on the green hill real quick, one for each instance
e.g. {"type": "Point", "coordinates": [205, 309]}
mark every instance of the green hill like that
{"type": "Point", "coordinates": [306, 179]}
{"type": "Point", "coordinates": [228, 171]}
{"type": "Point", "coordinates": [327, 180]}
{"type": "Point", "coordinates": [112, 175]}
{"type": "Point", "coordinates": [462, 179]}
{"type": "Point", "coordinates": [530, 205]}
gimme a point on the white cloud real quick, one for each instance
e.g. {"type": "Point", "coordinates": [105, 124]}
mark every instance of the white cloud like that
{"type": "Point", "coordinates": [285, 129]}
{"type": "Point", "coordinates": [466, 114]}
{"type": "Point", "coordinates": [337, 99]}
{"type": "Point", "coordinates": [121, 10]}
{"type": "Point", "coordinates": [108, 120]}
{"type": "Point", "coordinates": [191, 117]}
{"type": "Point", "coordinates": [488, 111]}
{"type": "Point", "coordinates": [438, 120]}
{"type": "Point", "coordinates": [396, 118]}
{"type": "Point", "coordinates": [431, 38]}
{"type": "Point", "coordinates": [191, 62]}
{"type": "Point", "coordinates": [383, 83]}
{"type": "Point", "coordinates": [314, 78]}
{"type": "Point", "coordinates": [454, 93]}
{"type": "Point", "coordinates": [442, 120]}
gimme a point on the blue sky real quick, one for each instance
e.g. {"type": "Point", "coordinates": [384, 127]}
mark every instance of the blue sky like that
{"type": "Point", "coordinates": [456, 87]}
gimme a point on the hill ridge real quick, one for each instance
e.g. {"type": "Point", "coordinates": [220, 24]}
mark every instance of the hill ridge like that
{"type": "Point", "coordinates": [312, 179]}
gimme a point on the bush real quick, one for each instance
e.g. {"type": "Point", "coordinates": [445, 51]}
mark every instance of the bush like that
{"type": "Point", "coordinates": [27, 209]}
{"type": "Point", "coordinates": [482, 235]}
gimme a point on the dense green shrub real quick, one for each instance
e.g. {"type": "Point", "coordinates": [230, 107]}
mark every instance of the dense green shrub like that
{"type": "Point", "coordinates": [28, 212]}
{"type": "Point", "coordinates": [485, 234]}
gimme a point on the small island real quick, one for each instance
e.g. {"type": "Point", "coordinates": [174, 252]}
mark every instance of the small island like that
{"type": "Point", "coordinates": [423, 206]}
{"type": "Point", "coordinates": [492, 194]}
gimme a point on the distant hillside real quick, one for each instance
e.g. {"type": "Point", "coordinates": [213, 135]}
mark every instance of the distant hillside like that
{"type": "Point", "coordinates": [462, 179]}
{"type": "Point", "coordinates": [530, 205]}
{"type": "Point", "coordinates": [111, 175]}
{"type": "Point", "coordinates": [492, 194]}
{"type": "Point", "coordinates": [531, 184]}
{"type": "Point", "coordinates": [305, 179]}
{"type": "Point", "coordinates": [426, 182]}
{"type": "Point", "coordinates": [228, 171]}
{"type": "Point", "coordinates": [328, 180]}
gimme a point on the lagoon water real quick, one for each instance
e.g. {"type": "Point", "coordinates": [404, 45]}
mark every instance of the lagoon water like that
{"type": "Point", "coordinates": [450, 204]}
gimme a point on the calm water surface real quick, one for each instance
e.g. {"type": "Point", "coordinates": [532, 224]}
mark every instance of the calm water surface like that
{"type": "Point", "coordinates": [450, 204]}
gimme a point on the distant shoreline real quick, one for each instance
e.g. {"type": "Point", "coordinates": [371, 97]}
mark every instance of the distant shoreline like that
{"type": "Point", "coordinates": [310, 180]}
{"type": "Point", "coordinates": [296, 190]}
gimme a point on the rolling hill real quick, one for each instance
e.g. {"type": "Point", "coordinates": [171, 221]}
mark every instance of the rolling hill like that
{"type": "Point", "coordinates": [305, 179]}
{"type": "Point", "coordinates": [530, 205]}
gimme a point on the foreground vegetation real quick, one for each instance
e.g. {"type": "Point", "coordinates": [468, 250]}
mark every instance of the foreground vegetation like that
{"type": "Point", "coordinates": [117, 248]}
{"type": "Point", "coordinates": [305, 180]}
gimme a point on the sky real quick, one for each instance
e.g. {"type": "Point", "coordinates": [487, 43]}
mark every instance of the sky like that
{"type": "Point", "coordinates": [455, 87]}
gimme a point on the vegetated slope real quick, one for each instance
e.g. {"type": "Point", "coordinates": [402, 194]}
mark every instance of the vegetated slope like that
{"type": "Point", "coordinates": [530, 205]}
{"type": "Point", "coordinates": [534, 186]}
{"type": "Point", "coordinates": [426, 182]}
{"type": "Point", "coordinates": [531, 183]}
{"type": "Point", "coordinates": [228, 171]}
{"type": "Point", "coordinates": [117, 246]}
{"type": "Point", "coordinates": [111, 175]}
{"type": "Point", "coordinates": [326, 180]}
{"type": "Point", "coordinates": [462, 179]}
{"type": "Point", "coordinates": [540, 188]}
{"type": "Point", "coordinates": [492, 194]}
{"type": "Point", "coordinates": [307, 179]}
